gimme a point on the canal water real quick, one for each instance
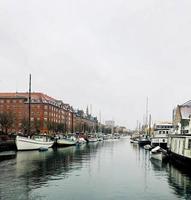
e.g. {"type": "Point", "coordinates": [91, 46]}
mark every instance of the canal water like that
{"type": "Point", "coordinates": [109, 170]}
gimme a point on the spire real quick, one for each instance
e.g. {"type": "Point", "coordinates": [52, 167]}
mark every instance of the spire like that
{"type": "Point", "coordinates": [87, 111]}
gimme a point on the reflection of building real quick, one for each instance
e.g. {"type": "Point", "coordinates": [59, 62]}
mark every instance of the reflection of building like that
{"type": "Point", "coordinates": [180, 182]}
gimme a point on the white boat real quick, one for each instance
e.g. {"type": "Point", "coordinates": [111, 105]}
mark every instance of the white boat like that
{"type": "Point", "coordinates": [66, 142]}
{"type": "Point", "coordinates": [158, 153]}
{"type": "Point", "coordinates": [92, 139]}
{"type": "Point", "coordinates": [35, 143]}
{"type": "Point", "coordinates": [147, 147]}
{"type": "Point", "coordinates": [81, 141]}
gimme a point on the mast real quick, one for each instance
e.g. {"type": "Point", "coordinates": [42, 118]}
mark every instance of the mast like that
{"type": "Point", "coordinates": [150, 125]}
{"type": "Point", "coordinates": [29, 128]}
{"type": "Point", "coordinates": [147, 114]}
{"type": "Point", "coordinates": [100, 128]}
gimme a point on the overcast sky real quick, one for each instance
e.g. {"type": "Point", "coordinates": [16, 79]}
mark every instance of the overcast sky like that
{"type": "Point", "coordinates": [108, 53]}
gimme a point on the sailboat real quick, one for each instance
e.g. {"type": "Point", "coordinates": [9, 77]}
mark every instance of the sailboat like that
{"type": "Point", "coordinates": [144, 139]}
{"type": "Point", "coordinates": [35, 143]}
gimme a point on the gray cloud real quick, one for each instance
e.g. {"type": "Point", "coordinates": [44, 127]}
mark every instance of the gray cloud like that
{"type": "Point", "coordinates": [111, 54]}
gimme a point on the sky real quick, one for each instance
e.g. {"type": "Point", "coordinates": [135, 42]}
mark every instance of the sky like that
{"type": "Point", "coordinates": [111, 54]}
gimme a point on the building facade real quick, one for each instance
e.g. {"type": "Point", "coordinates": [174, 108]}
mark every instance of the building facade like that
{"type": "Point", "coordinates": [46, 112]}
{"type": "Point", "coordinates": [48, 115]}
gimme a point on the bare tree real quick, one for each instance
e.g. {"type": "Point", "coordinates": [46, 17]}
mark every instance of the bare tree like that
{"type": "Point", "coordinates": [6, 121]}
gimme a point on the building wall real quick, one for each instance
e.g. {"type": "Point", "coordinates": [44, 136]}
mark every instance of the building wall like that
{"type": "Point", "coordinates": [45, 111]}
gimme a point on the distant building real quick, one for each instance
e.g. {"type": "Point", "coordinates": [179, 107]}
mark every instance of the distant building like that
{"type": "Point", "coordinates": [181, 117]}
{"type": "Point", "coordinates": [110, 123]}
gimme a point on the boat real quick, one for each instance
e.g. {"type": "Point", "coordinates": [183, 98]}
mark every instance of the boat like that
{"type": "Point", "coordinates": [147, 147]}
{"type": "Point", "coordinates": [142, 141]}
{"type": "Point", "coordinates": [67, 141]}
{"type": "Point", "coordinates": [158, 153]}
{"type": "Point", "coordinates": [179, 147]}
{"type": "Point", "coordinates": [100, 139]}
{"type": "Point", "coordinates": [179, 140]}
{"type": "Point", "coordinates": [92, 139]}
{"type": "Point", "coordinates": [34, 143]}
{"type": "Point", "coordinates": [160, 135]}
{"type": "Point", "coordinates": [80, 141]}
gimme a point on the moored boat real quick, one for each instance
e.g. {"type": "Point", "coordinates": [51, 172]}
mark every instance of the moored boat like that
{"type": "Point", "coordinates": [35, 143]}
{"type": "Point", "coordinates": [147, 147]}
{"type": "Point", "coordinates": [158, 153]}
{"type": "Point", "coordinates": [68, 141]}
{"type": "Point", "coordinates": [92, 139]}
{"type": "Point", "coordinates": [80, 141]}
{"type": "Point", "coordinates": [143, 141]}
{"type": "Point", "coordinates": [180, 149]}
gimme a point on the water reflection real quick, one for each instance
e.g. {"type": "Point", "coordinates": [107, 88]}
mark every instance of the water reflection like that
{"type": "Point", "coordinates": [104, 170]}
{"type": "Point", "coordinates": [33, 169]}
{"type": "Point", "coordinates": [179, 179]}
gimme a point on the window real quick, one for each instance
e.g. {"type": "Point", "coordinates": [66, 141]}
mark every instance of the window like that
{"type": "Point", "coordinates": [189, 144]}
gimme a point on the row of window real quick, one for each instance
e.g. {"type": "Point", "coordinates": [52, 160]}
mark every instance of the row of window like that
{"type": "Point", "coordinates": [11, 101]}
{"type": "Point", "coordinates": [164, 127]}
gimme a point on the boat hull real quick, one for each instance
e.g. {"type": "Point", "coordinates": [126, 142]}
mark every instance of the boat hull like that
{"type": "Point", "coordinates": [24, 144]}
{"type": "Point", "coordinates": [158, 156]}
{"type": "Point", "coordinates": [179, 159]}
{"type": "Point", "coordinates": [144, 142]}
{"type": "Point", "coordinates": [65, 142]}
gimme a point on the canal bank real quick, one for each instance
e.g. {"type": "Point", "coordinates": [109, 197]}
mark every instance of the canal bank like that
{"type": "Point", "coordinates": [105, 170]}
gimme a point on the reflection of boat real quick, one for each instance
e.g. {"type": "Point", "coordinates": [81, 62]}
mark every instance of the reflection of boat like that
{"type": "Point", "coordinates": [7, 155]}
{"type": "Point", "coordinates": [158, 153]}
{"type": "Point", "coordinates": [35, 143]}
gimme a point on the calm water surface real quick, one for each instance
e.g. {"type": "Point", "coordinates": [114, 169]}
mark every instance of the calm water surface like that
{"type": "Point", "coordinates": [109, 170]}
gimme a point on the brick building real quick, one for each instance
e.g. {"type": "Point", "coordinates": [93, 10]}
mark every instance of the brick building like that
{"type": "Point", "coordinates": [45, 111]}
{"type": "Point", "coordinates": [47, 114]}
